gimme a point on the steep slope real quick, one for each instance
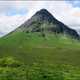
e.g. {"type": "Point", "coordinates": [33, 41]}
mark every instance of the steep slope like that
{"type": "Point", "coordinates": [31, 47]}
{"type": "Point", "coordinates": [26, 55]}
{"type": "Point", "coordinates": [43, 21]}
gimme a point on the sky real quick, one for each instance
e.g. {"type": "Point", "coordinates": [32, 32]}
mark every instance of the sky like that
{"type": "Point", "coordinates": [14, 13]}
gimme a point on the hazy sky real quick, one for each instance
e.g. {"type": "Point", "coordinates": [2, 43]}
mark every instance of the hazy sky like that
{"type": "Point", "coordinates": [14, 13]}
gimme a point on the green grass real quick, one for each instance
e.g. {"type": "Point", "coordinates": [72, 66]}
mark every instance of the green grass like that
{"type": "Point", "coordinates": [32, 48]}
{"type": "Point", "coordinates": [12, 69]}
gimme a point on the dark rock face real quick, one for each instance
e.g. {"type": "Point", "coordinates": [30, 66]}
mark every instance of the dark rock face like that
{"type": "Point", "coordinates": [44, 15]}
{"type": "Point", "coordinates": [45, 21]}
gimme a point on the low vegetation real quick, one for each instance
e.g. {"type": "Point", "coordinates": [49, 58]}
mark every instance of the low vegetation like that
{"type": "Point", "coordinates": [30, 56]}
{"type": "Point", "coordinates": [11, 69]}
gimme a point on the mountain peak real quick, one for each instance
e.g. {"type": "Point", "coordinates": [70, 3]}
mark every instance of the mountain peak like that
{"type": "Point", "coordinates": [44, 21]}
{"type": "Point", "coordinates": [43, 11]}
{"type": "Point", "coordinates": [44, 15]}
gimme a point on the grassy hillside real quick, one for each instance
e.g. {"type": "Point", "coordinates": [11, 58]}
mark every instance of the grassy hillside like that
{"type": "Point", "coordinates": [32, 47]}
{"type": "Point", "coordinates": [57, 53]}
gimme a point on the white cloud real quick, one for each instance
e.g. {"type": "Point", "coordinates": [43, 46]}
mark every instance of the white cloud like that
{"type": "Point", "coordinates": [63, 11]}
{"type": "Point", "coordinates": [9, 23]}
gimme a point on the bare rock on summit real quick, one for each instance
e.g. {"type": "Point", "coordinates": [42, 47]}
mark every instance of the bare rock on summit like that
{"type": "Point", "coordinates": [43, 20]}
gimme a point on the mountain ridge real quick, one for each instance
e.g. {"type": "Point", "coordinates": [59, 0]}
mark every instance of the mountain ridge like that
{"type": "Point", "coordinates": [43, 16]}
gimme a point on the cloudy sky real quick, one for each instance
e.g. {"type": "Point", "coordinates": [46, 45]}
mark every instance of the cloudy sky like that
{"type": "Point", "coordinates": [14, 13]}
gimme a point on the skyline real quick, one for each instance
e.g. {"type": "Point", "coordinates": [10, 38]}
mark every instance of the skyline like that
{"type": "Point", "coordinates": [14, 13]}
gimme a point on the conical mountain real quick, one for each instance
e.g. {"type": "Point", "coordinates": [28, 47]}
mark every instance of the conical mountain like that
{"type": "Point", "coordinates": [38, 52]}
{"type": "Point", "coordinates": [44, 21]}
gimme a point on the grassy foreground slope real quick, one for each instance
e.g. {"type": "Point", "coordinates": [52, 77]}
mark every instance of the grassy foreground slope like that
{"type": "Point", "coordinates": [53, 57]}
{"type": "Point", "coordinates": [32, 47]}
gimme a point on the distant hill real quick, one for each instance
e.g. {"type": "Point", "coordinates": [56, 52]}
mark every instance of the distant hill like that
{"type": "Point", "coordinates": [43, 21]}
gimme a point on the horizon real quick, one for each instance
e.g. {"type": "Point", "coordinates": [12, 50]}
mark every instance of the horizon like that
{"type": "Point", "coordinates": [14, 13]}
